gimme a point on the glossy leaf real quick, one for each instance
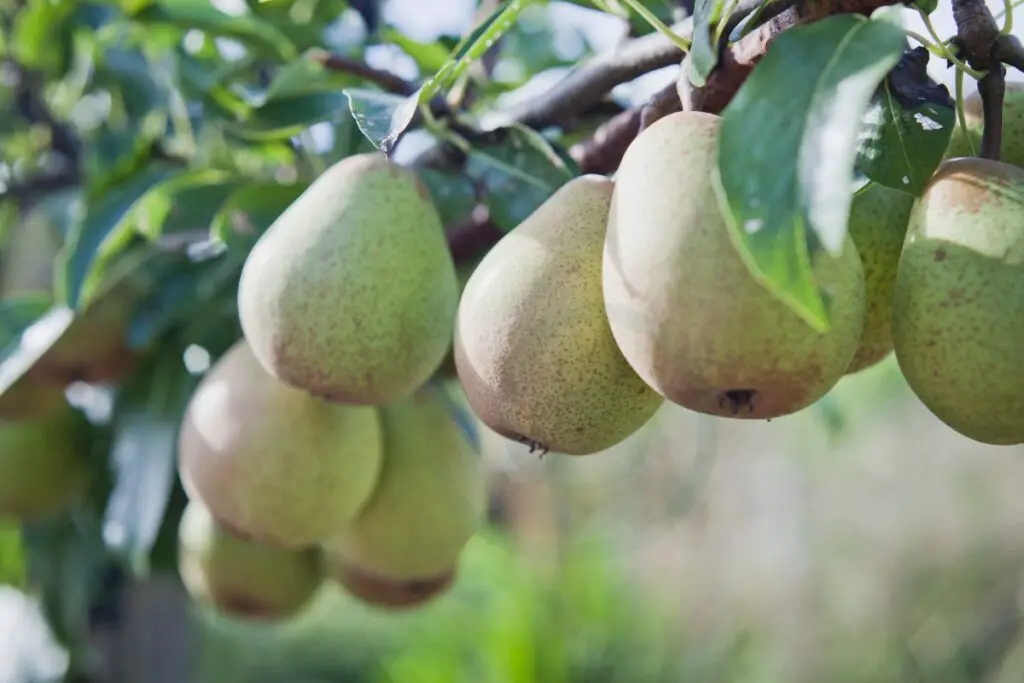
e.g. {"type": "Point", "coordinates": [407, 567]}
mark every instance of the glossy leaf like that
{"type": "Point", "coordinates": [703, 52]}
{"type": "Point", "coordinates": [907, 127]}
{"type": "Point", "coordinates": [788, 145]}
{"type": "Point", "coordinates": [250, 211]}
{"type": "Point", "coordinates": [453, 194]}
{"type": "Point", "coordinates": [381, 117]}
{"type": "Point", "coordinates": [185, 202]}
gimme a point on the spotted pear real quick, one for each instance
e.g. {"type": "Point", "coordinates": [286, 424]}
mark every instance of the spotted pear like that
{"type": "Point", "coordinates": [968, 143]}
{"type": "Point", "coordinates": [958, 306]}
{"type": "Point", "coordinates": [533, 349]}
{"type": "Point", "coordinates": [878, 225]}
{"type": "Point", "coordinates": [44, 464]}
{"type": "Point", "coordinates": [242, 578]}
{"type": "Point", "coordinates": [351, 293]}
{"type": "Point", "coordinates": [272, 462]}
{"type": "Point", "coordinates": [430, 500]}
{"type": "Point", "coordinates": [683, 306]}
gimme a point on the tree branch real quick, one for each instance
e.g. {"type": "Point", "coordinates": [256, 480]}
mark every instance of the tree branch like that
{"type": "Point", "coordinates": [603, 152]}
{"type": "Point", "coordinates": [385, 79]}
{"type": "Point", "coordinates": [992, 88]}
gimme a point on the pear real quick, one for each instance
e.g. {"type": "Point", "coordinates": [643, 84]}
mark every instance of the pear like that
{"type": "Point", "coordinates": [533, 349]}
{"type": "Point", "coordinates": [1012, 141]}
{"type": "Point", "coordinates": [388, 593]}
{"type": "Point", "coordinates": [878, 225]}
{"type": "Point", "coordinates": [958, 305]}
{"type": "Point", "coordinates": [44, 464]}
{"type": "Point", "coordinates": [272, 462]}
{"type": "Point", "coordinates": [430, 500]}
{"type": "Point", "coordinates": [239, 577]}
{"type": "Point", "coordinates": [30, 248]}
{"type": "Point", "coordinates": [683, 306]}
{"type": "Point", "coordinates": [351, 293]}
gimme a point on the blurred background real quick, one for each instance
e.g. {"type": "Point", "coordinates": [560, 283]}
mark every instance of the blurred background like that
{"type": "Point", "coordinates": [858, 541]}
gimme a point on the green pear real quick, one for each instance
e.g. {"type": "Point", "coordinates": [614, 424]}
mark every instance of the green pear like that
{"type": "Point", "coordinates": [958, 305]}
{"type": "Point", "coordinates": [272, 462]}
{"type": "Point", "coordinates": [878, 225]}
{"type": "Point", "coordinates": [968, 143]}
{"type": "Point", "coordinates": [389, 593]}
{"type": "Point", "coordinates": [351, 293]}
{"type": "Point", "coordinates": [430, 501]}
{"type": "Point", "coordinates": [239, 577]}
{"type": "Point", "coordinates": [685, 309]}
{"type": "Point", "coordinates": [533, 350]}
{"type": "Point", "coordinates": [44, 464]}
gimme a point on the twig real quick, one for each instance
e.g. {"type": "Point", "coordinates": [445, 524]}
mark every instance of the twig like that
{"type": "Point", "coordinates": [603, 152]}
{"type": "Point", "coordinates": [385, 79]}
{"type": "Point", "coordinates": [662, 103]}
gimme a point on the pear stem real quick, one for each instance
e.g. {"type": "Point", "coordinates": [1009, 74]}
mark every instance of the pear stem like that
{"type": "Point", "coordinates": [992, 89]}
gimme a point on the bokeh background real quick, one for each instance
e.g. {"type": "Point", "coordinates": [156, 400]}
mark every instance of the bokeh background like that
{"type": "Point", "coordinates": [858, 541]}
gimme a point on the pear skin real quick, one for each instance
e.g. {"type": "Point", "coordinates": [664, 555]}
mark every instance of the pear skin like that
{"type": "Point", "coordinates": [389, 593]}
{"type": "Point", "coordinates": [429, 502]}
{"type": "Point", "coordinates": [968, 144]}
{"type": "Point", "coordinates": [878, 226]}
{"type": "Point", "coordinates": [242, 578]}
{"type": "Point", "coordinates": [274, 463]}
{"type": "Point", "coordinates": [685, 309]}
{"type": "Point", "coordinates": [351, 293]}
{"type": "Point", "coordinates": [958, 306]}
{"type": "Point", "coordinates": [533, 349]}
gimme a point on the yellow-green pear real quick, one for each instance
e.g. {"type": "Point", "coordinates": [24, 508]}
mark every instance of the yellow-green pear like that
{"type": "Point", "coordinates": [683, 306]}
{"type": "Point", "coordinates": [351, 293]}
{"type": "Point", "coordinates": [878, 225]}
{"type": "Point", "coordinates": [958, 307]}
{"type": "Point", "coordinates": [968, 143]}
{"type": "Point", "coordinates": [239, 577]}
{"type": "Point", "coordinates": [430, 501]}
{"type": "Point", "coordinates": [44, 464]}
{"type": "Point", "coordinates": [386, 593]}
{"type": "Point", "coordinates": [533, 349]}
{"type": "Point", "coordinates": [272, 462]}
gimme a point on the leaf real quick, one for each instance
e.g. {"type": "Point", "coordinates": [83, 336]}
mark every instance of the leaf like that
{"type": "Point", "coordinates": [518, 172]}
{"type": "Point", "coordinates": [103, 231]}
{"type": "Point", "coordinates": [704, 54]}
{"type": "Point", "coordinates": [32, 36]}
{"type": "Point", "coordinates": [12, 556]}
{"type": "Point", "coordinates": [926, 6]}
{"type": "Point", "coordinates": [285, 118]}
{"type": "Point", "coordinates": [202, 15]}
{"type": "Point", "coordinates": [453, 194]}
{"type": "Point", "coordinates": [429, 57]}
{"type": "Point", "coordinates": [787, 148]}
{"type": "Point", "coordinates": [382, 117]}
{"type": "Point", "coordinates": [907, 127]}
{"type": "Point", "coordinates": [187, 201]}
{"type": "Point", "coordinates": [250, 211]}
{"type": "Point", "coordinates": [143, 454]}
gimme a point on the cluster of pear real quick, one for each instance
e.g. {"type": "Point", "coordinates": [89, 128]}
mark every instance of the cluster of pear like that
{"type": "Point", "coordinates": [616, 295]}
{"type": "Point", "coordinates": [320, 446]}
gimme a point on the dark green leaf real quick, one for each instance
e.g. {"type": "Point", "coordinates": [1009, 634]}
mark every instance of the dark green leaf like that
{"type": "Point", "coordinates": [185, 202]}
{"type": "Point", "coordinates": [250, 211]}
{"type": "Point", "coordinates": [12, 556]}
{"type": "Point", "coordinates": [202, 15]}
{"type": "Point", "coordinates": [927, 6]}
{"type": "Point", "coordinates": [103, 230]}
{"type": "Point", "coordinates": [381, 117]}
{"type": "Point", "coordinates": [788, 145]}
{"type": "Point", "coordinates": [703, 52]}
{"type": "Point", "coordinates": [18, 313]}
{"type": "Point", "coordinates": [303, 76]}
{"type": "Point", "coordinates": [34, 28]}
{"type": "Point", "coordinates": [281, 119]}
{"type": "Point", "coordinates": [907, 127]}
{"type": "Point", "coordinates": [429, 57]}
{"type": "Point", "coordinates": [143, 453]}
{"type": "Point", "coordinates": [453, 194]}
{"type": "Point", "coordinates": [518, 173]}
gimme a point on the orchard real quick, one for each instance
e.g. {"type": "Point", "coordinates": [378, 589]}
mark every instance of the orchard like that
{"type": "Point", "coordinates": [264, 300]}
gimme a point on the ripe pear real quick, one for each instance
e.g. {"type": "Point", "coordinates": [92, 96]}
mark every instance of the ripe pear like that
{"type": "Point", "coordinates": [683, 306]}
{"type": "Point", "coordinates": [1012, 141]}
{"type": "Point", "coordinates": [533, 350]}
{"type": "Point", "coordinates": [958, 306]}
{"type": "Point", "coordinates": [351, 293]}
{"type": "Point", "coordinates": [239, 577]}
{"type": "Point", "coordinates": [878, 225]}
{"type": "Point", "coordinates": [389, 593]}
{"type": "Point", "coordinates": [272, 462]}
{"type": "Point", "coordinates": [430, 500]}
{"type": "Point", "coordinates": [44, 464]}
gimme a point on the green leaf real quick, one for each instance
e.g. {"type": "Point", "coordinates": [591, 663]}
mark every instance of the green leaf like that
{"type": "Point", "coordinates": [281, 119]}
{"type": "Point", "coordinates": [518, 173]}
{"type": "Point", "coordinates": [102, 232]}
{"type": "Point", "coordinates": [703, 53]}
{"type": "Point", "coordinates": [12, 556]}
{"type": "Point", "coordinates": [32, 40]}
{"type": "Point", "coordinates": [429, 57]}
{"type": "Point", "coordinates": [304, 76]}
{"type": "Point", "coordinates": [204, 16]}
{"type": "Point", "coordinates": [19, 313]}
{"type": "Point", "coordinates": [907, 127]}
{"type": "Point", "coordinates": [787, 148]}
{"type": "Point", "coordinates": [185, 202]}
{"type": "Point", "coordinates": [926, 6]}
{"type": "Point", "coordinates": [453, 194]}
{"type": "Point", "coordinates": [250, 211]}
{"type": "Point", "coordinates": [143, 454]}
{"type": "Point", "coordinates": [381, 117]}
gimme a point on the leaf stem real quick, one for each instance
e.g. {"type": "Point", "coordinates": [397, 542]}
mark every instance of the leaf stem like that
{"type": "Point", "coordinates": [946, 54]}
{"type": "Point", "coordinates": [960, 115]}
{"type": "Point", "coordinates": [1007, 17]}
{"type": "Point", "coordinates": [927, 44]}
{"type": "Point", "coordinates": [680, 42]}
